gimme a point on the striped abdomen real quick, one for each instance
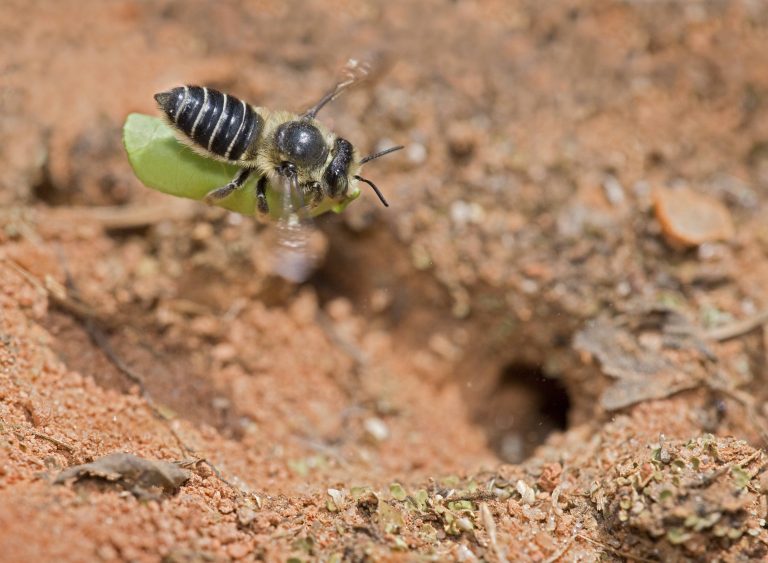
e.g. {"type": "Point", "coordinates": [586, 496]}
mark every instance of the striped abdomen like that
{"type": "Point", "coordinates": [219, 123]}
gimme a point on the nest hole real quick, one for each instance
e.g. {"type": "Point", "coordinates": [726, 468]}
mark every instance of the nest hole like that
{"type": "Point", "coordinates": [523, 409]}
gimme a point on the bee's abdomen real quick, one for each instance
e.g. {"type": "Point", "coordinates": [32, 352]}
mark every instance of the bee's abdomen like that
{"type": "Point", "coordinates": [219, 123]}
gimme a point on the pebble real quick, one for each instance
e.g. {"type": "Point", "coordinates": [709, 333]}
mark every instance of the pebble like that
{"type": "Point", "coordinates": [376, 429]}
{"type": "Point", "coordinates": [238, 550]}
{"type": "Point", "coordinates": [245, 516]}
{"type": "Point", "coordinates": [689, 218]}
{"type": "Point", "coordinates": [416, 153]}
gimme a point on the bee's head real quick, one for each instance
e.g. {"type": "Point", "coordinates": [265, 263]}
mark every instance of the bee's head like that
{"type": "Point", "coordinates": [303, 151]}
{"type": "Point", "coordinates": [343, 168]}
{"type": "Point", "coordinates": [337, 173]}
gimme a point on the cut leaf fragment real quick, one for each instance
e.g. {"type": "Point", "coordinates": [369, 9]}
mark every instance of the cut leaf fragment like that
{"type": "Point", "coordinates": [165, 164]}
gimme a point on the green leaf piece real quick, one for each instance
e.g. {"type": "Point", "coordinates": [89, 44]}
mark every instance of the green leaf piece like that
{"type": "Point", "coordinates": [397, 491]}
{"type": "Point", "coordinates": [165, 164]}
{"type": "Point", "coordinates": [390, 519]}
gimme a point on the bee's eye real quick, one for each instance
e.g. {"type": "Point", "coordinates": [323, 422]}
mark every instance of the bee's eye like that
{"type": "Point", "coordinates": [301, 143]}
{"type": "Point", "coordinates": [335, 176]}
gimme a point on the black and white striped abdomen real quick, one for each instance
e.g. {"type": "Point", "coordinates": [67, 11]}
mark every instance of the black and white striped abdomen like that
{"type": "Point", "coordinates": [217, 122]}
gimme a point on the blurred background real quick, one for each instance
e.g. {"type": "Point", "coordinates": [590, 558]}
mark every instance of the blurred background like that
{"type": "Point", "coordinates": [565, 161]}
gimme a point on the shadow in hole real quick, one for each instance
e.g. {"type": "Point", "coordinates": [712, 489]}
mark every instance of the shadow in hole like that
{"type": "Point", "coordinates": [523, 408]}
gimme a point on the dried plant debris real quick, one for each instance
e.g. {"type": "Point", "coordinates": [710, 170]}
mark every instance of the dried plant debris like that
{"type": "Point", "coordinates": [652, 355]}
{"type": "Point", "coordinates": [690, 218]}
{"type": "Point", "coordinates": [142, 477]}
{"type": "Point", "coordinates": [420, 519]}
{"type": "Point", "coordinates": [699, 496]}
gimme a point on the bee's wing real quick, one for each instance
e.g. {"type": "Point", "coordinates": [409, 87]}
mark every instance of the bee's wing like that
{"type": "Point", "coordinates": [294, 258]}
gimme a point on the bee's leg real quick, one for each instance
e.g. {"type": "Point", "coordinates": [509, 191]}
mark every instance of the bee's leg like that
{"type": "Point", "coordinates": [237, 182]}
{"type": "Point", "coordinates": [316, 192]}
{"type": "Point", "coordinates": [261, 195]}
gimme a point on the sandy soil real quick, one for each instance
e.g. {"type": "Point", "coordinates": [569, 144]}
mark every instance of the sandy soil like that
{"type": "Point", "coordinates": [549, 348]}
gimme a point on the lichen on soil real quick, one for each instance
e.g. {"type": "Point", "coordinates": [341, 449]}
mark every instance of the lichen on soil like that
{"type": "Point", "coordinates": [549, 348]}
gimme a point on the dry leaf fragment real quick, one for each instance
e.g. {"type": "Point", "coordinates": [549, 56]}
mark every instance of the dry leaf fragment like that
{"type": "Point", "coordinates": [130, 472]}
{"type": "Point", "coordinates": [690, 218]}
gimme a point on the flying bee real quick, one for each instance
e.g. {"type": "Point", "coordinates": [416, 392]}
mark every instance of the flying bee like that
{"type": "Point", "coordinates": [277, 147]}
{"type": "Point", "coordinates": [292, 153]}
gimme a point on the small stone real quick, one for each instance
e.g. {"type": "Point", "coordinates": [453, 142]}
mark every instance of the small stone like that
{"type": "Point", "coordinates": [335, 500]}
{"type": "Point", "coordinates": [106, 553]}
{"type": "Point", "coordinates": [464, 524]}
{"type": "Point", "coordinates": [202, 231]}
{"type": "Point", "coordinates": [464, 213]}
{"type": "Point", "coordinates": [376, 428]}
{"type": "Point", "coordinates": [380, 300]}
{"type": "Point", "coordinates": [226, 506]}
{"type": "Point", "coordinates": [224, 352]}
{"type": "Point", "coordinates": [416, 153]}
{"type": "Point", "coordinates": [245, 516]}
{"type": "Point", "coordinates": [443, 347]}
{"type": "Point", "coordinates": [340, 309]}
{"type": "Point", "coordinates": [550, 478]}
{"type": "Point", "coordinates": [614, 191]}
{"type": "Point", "coordinates": [527, 494]}
{"type": "Point", "coordinates": [462, 138]}
{"type": "Point", "coordinates": [689, 218]}
{"type": "Point", "coordinates": [238, 550]}
{"type": "Point", "coordinates": [420, 257]}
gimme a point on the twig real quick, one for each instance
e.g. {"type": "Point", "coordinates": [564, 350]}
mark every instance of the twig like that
{"type": "Point", "coordinates": [480, 495]}
{"type": "Point", "coordinates": [99, 338]}
{"type": "Point", "coordinates": [55, 291]}
{"type": "Point", "coordinates": [54, 441]}
{"type": "Point", "coordinates": [490, 526]}
{"type": "Point", "coordinates": [101, 341]}
{"type": "Point", "coordinates": [134, 216]}
{"type": "Point", "coordinates": [738, 328]}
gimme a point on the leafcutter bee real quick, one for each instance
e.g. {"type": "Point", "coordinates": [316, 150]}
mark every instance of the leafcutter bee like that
{"type": "Point", "coordinates": [294, 154]}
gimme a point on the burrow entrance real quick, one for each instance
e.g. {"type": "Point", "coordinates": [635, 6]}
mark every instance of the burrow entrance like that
{"type": "Point", "coordinates": [524, 407]}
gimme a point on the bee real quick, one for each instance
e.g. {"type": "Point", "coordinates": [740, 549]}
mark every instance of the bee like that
{"type": "Point", "coordinates": [279, 148]}
{"type": "Point", "coordinates": [295, 154]}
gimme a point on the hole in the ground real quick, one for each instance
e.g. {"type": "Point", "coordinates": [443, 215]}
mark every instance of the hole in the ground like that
{"type": "Point", "coordinates": [524, 407]}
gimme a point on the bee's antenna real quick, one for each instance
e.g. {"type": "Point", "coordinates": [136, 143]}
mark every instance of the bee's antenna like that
{"type": "Point", "coordinates": [375, 189]}
{"type": "Point", "coordinates": [373, 156]}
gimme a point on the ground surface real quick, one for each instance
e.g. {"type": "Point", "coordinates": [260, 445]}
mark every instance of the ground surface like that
{"type": "Point", "coordinates": [548, 348]}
